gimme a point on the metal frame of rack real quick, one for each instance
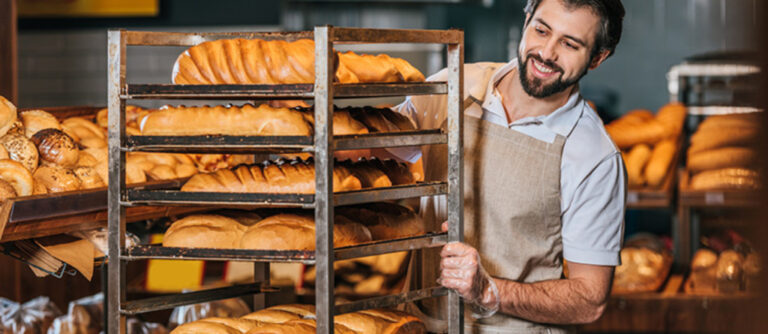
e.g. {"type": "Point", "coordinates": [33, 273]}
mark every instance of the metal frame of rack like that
{"type": "Point", "coordinates": [322, 145]}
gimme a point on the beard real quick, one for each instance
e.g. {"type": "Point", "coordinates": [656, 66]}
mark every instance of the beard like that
{"type": "Point", "coordinates": [535, 87]}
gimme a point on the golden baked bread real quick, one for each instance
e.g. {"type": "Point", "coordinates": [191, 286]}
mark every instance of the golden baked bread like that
{"type": "Point", "coordinates": [297, 232]}
{"type": "Point", "coordinates": [719, 137]}
{"type": "Point", "coordinates": [36, 120]}
{"type": "Point", "coordinates": [641, 270]}
{"type": "Point", "coordinates": [398, 173]}
{"type": "Point", "coordinates": [712, 123]}
{"type": "Point", "coordinates": [6, 190]}
{"type": "Point", "coordinates": [242, 325]}
{"type": "Point", "coordinates": [255, 61]}
{"type": "Point", "coordinates": [295, 177]}
{"type": "Point", "coordinates": [132, 115]}
{"type": "Point", "coordinates": [80, 128]}
{"type": "Point", "coordinates": [8, 115]}
{"type": "Point", "coordinates": [158, 166]}
{"type": "Point", "coordinates": [89, 178]}
{"type": "Point", "coordinates": [672, 115]}
{"type": "Point", "coordinates": [703, 278]}
{"type": "Point", "coordinates": [57, 179]}
{"type": "Point", "coordinates": [381, 321]}
{"type": "Point", "coordinates": [658, 166]}
{"type": "Point", "coordinates": [291, 327]}
{"type": "Point", "coordinates": [204, 327]}
{"type": "Point", "coordinates": [18, 176]}
{"type": "Point", "coordinates": [385, 220]}
{"type": "Point", "coordinates": [21, 149]}
{"type": "Point", "coordinates": [725, 157]}
{"type": "Point", "coordinates": [204, 231]}
{"type": "Point", "coordinates": [726, 178]}
{"type": "Point", "coordinates": [247, 120]}
{"type": "Point", "coordinates": [368, 174]}
{"type": "Point", "coordinates": [214, 162]}
{"type": "Point", "coordinates": [56, 148]}
{"type": "Point", "coordinates": [343, 122]}
{"type": "Point", "coordinates": [635, 161]}
{"type": "Point", "coordinates": [627, 135]}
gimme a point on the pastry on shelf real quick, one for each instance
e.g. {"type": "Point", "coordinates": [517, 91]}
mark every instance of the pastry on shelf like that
{"type": "Point", "coordinates": [645, 264]}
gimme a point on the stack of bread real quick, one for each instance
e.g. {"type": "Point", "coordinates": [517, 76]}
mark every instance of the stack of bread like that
{"type": "Point", "coordinates": [724, 154]}
{"type": "Point", "coordinates": [648, 143]}
{"type": "Point", "coordinates": [645, 264]}
{"type": "Point", "coordinates": [296, 318]}
{"type": "Point", "coordinates": [256, 61]}
{"type": "Point", "coordinates": [298, 177]}
{"type": "Point", "coordinates": [292, 231]}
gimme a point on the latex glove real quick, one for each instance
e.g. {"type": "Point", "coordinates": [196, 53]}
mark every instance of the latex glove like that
{"type": "Point", "coordinates": [460, 270]}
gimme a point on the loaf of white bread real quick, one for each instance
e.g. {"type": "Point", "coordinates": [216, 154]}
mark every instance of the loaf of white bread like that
{"type": "Point", "coordinates": [649, 143]}
{"type": "Point", "coordinates": [294, 231]}
{"type": "Point", "coordinates": [298, 176]}
{"type": "Point", "coordinates": [300, 319]}
{"type": "Point", "coordinates": [724, 153]}
{"type": "Point", "coordinates": [256, 61]}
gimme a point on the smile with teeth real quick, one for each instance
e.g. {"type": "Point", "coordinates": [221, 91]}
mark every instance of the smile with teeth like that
{"type": "Point", "coordinates": [541, 68]}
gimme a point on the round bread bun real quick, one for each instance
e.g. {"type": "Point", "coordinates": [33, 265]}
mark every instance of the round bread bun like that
{"type": "Point", "coordinates": [36, 120]}
{"type": "Point", "coordinates": [21, 149]}
{"type": "Point", "coordinates": [204, 231]}
{"type": "Point", "coordinates": [101, 154]}
{"type": "Point", "coordinates": [89, 179]}
{"type": "Point", "coordinates": [8, 115]}
{"type": "Point", "coordinates": [57, 179]}
{"type": "Point", "coordinates": [204, 327]}
{"type": "Point", "coordinates": [297, 232]}
{"type": "Point", "coordinates": [93, 142]}
{"type": "Point", "coordinates": [243, 325]}
{"type": "Point", "coordinates": [18, 176]}
{"type": "Point", "coordinates": [80, 128]}
{"type": "Point", "coordinates": [6, 190]}
{"type": "Point", "coordinates": [56, 147]}
{"type": "Point", "coordinates": [86, 159]}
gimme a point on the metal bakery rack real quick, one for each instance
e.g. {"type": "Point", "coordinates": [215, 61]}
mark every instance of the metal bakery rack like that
{"type": "Point", "coordinates": [321, 145]}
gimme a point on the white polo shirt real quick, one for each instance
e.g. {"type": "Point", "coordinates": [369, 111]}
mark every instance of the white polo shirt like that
{"type": "Point", "coordinates": [592, 176]}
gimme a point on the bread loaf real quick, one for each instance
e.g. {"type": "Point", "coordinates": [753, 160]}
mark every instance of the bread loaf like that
{"type": "Point", "coordinates": [8, 115]}
{"type": "Point", "coordinates": [635, 161]}
{"type": "Point", "coordinates": [715, 122]}
{"type": "Point", "coordinates": [385, 220]}
{"type": "Point", "coordinates": [368, 174]}
{"type": "Point", "coordinates": [295, 177]}
{"type": "Point", "coordinates": [56, 148]}
{"type": "Point", "coordinates": [255, 61]}
{"type": "Point", "coordinates": [721, 137]}
{"type": "Point", "coordinates": [282, 313]}
{"type": "Point", "coordinates": [292, 231]}
{"type": "Point", "coordinates": [36, 120]}
{"type": "Point", "coordinates": [57, 179]}
{"type": "Point", "coordinates": [242, 325]}
{"type": "Point", "coordinates": [204, 327]}
{"type": "Point", "coordinates": [398, 173]}
{"type": "Point", "coordinates": [672, 116]}
{"type": "Point", "coordinates": [204, 231]}
{"type": "Point", "coordinates": [659, 164]}
{"type": "Point", "coordinates": [17, 176]}
{"type": "Point", "coordinates": [722, 158]}
{"type": "Point", "coordinates": [726, 178]}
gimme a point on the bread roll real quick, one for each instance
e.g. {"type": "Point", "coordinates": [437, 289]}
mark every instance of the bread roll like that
{"type": "Point", "coordinates": [18, 176]}
{"type": "Point", "coordinates": [8, 115]}
{"type": "Point", "coordinates": [21, 149]}
{"type": "Point", "coordinates": [719, 137]}
{"type": "Point", "coordinates": [56, 147]}
{"type": "Point", "coordinates": [254, 61]}
{"type": "Point", "coordinates": [89, 178]}
{"type": "Point", "coordinates": [659, 164]}
{"type": "Point", "coordinates": [247, 120]}
{"type": "Point", "coordinates": [36, 120]}
{"type": "Point", "coordinates": [726, 178]}
{"type": "Point", "coordinates": [297, 232]}
{"type": "Point", "coordinates": [722, 158]}
{"type": "Point", "coordinates": [6, 190]}
{"type": "Point", "coordinates": [296, 177]}
{"type": "Point", "coordinates": [80, 128]}
{"type": "Point", "coordinates": [635, 162]}
{"type": "Point", "coordinates": [204, 231]}
{"type": "Point", "coordinates": [204, 327]}
{"type": "Point", "coordinates": [57, 179]}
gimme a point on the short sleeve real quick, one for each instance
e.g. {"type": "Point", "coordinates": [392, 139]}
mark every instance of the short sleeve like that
{"type": "Point", "coordinates": [593, 223]}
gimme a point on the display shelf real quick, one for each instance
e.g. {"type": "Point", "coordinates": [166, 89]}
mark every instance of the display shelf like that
{"type": "Point", "coordinates": [272, 144]}
{"type": "Point", "coordinates": [151, 304]}
{"type": "Point", "coordinates": [721, 110]}
{"type": "Point", "coordinates": [142, 252]}
{"type": "Point", "coordinates": [262, 200]}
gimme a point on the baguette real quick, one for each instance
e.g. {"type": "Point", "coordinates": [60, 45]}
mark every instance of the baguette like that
{"type": "Point", "coordinates": [385, 220]}
{"type": "Point", "coordinates": [672, 116]}
{"type": "Point", "coordinates": [626, 135]}
{"type": "Point", "coordinates": [721, 158]}
{"type": "Point", "coordinates": [255, 61]}
{"type": "Point", "coordinates": [295, 177]}
{"type": "Point", "coordinates": [718, 137]}
{"type": "Point", "coordinates": [635, 161]}
{"type": "Point", "coordinates": [297, 232]}
{"type": "Point", "coordinates": [658, 165]}
{"type": "Point", "coordinates": [726, 178]}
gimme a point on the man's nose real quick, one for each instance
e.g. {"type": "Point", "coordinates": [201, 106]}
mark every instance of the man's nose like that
{"type": "Point", "coordinates": [549, 51]}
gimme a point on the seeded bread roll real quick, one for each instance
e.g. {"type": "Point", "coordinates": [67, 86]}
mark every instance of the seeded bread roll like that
{"type": "Point", "coordinates": [21, 149]}
{"type": "Point", "coordinates": [297, 232]}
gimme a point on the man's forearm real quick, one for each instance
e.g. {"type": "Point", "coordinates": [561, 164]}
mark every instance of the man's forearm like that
{"type": "Point", "coordinates": [564, 301]}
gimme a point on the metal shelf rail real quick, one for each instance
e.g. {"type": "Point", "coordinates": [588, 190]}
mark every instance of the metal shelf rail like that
{"type": "Point", "coordinates": [322, 145]}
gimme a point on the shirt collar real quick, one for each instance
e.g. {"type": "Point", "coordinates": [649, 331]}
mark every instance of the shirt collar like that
{"type": "Point", "coordinates": [561, 121]}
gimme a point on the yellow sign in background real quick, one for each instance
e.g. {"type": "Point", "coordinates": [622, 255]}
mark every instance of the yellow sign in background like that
{"type": "Point", "coordinates": [87, 8]}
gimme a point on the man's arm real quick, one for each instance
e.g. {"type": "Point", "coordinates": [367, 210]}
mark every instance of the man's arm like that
{"type": "Point", "coordinates": [578, 299]}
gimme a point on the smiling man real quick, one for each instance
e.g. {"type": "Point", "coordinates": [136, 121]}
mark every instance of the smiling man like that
{"type": "Point", "coordinates": [543, 181]}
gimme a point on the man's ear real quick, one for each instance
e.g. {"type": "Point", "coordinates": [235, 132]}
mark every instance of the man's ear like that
{"type": "Point", "coordinates": [599, 59]}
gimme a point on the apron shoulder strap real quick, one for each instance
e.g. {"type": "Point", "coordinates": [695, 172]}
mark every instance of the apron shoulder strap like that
{"type": "Point", "coordinates": [477, 76]}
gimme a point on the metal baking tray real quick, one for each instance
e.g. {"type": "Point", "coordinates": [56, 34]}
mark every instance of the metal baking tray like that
{"type": "Point", "coordinates": [282, 144]}
{"type": "Point", "coordinates": [155, 196]}
{"type": "Point", "coordinates": [142, 252]}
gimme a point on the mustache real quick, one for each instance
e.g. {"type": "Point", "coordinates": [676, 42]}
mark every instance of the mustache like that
{"type": "Point", "coordinates": [547, 63]}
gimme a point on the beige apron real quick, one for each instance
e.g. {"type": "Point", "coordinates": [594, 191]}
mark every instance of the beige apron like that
{"type": "Point", "coordinates": [511, 215]}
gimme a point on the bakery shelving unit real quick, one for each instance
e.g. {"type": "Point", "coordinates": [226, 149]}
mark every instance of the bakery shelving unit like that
{"type": "Point", "coordinates": [322, 145]}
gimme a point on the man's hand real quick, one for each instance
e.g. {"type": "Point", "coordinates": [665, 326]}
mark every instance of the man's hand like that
{"type": "Point", "coordinates": [460, 270]}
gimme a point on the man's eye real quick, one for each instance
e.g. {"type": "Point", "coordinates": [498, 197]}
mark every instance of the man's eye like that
{"type": "Point", "coordinates": [570, 46]}
{"type": "Point", "coordinates": [540, 31]}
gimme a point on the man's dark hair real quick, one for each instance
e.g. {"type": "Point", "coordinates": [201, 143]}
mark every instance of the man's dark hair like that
{"type": "Point", "coordinates": [611, 14]}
